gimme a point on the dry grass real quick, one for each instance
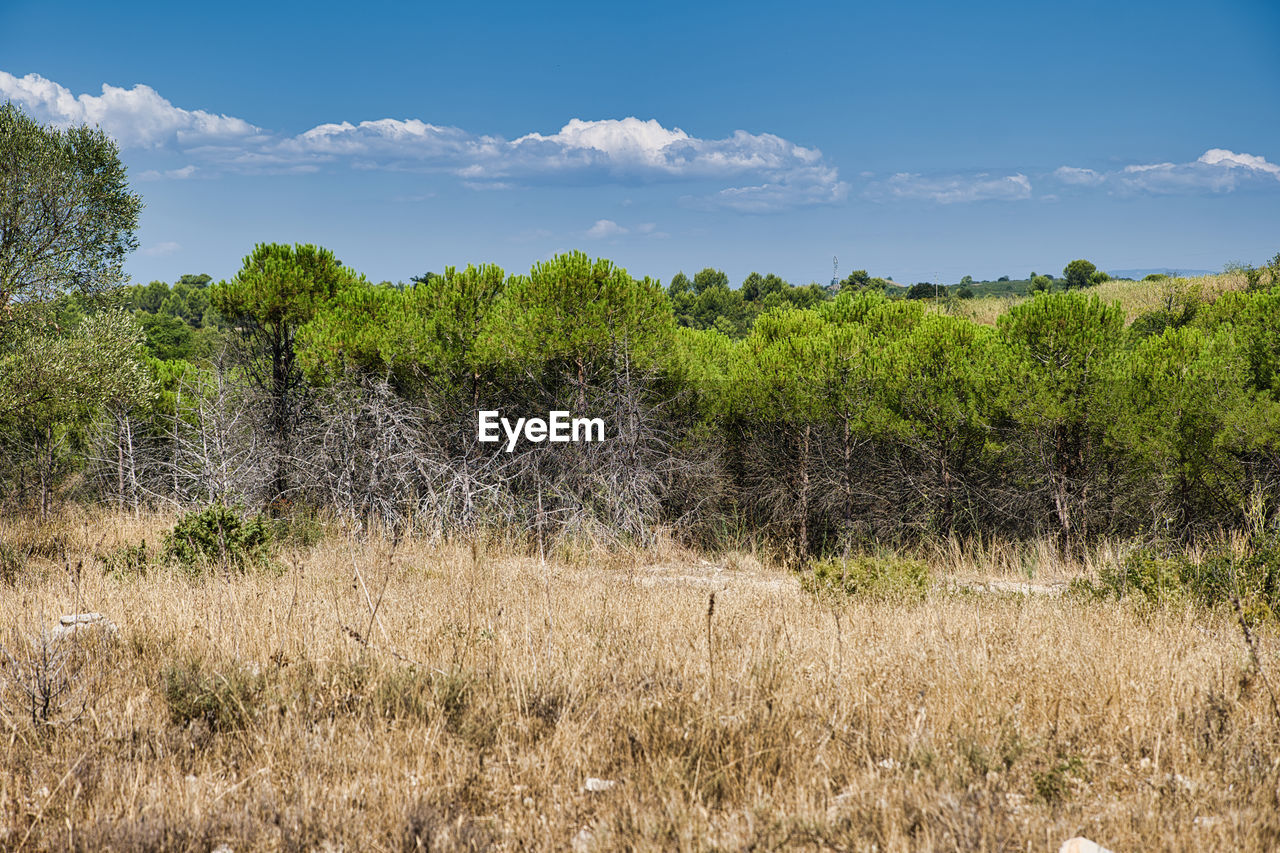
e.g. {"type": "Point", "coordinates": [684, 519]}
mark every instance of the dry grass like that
{"type": "Point", "coordinates": [1135, 297]}
{"type": "Point", "coordinates": [274, 712]}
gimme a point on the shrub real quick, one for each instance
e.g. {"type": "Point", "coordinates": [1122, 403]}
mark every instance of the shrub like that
{"type": "Point", "coordinates": [126, 561]}
{"type": "Point", "coordinates": [222, 700]}
{"type": "Point", "coordinates": [876, 577]}
{"type": "Point", "coordinates": [300, 528]}
{"type": "Point", "coordinates": [1149, 575]}
{"type": "Point", "coordinates": [219, 536]}
{"type": "Point", "coordinates": [12, 564]}
{"type": "Point", "coordinates": [1221, 576]}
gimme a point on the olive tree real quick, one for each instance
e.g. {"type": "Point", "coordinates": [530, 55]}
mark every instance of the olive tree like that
{"type": "Point", "coordinates": [67, 216]}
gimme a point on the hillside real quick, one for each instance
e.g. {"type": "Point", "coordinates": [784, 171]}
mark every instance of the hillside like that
{"type": "Point", "coordinates": [1135, 297]}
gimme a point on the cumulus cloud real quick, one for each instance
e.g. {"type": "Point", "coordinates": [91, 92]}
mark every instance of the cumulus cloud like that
{"type": "Point", "coordinates": [755, 172]}
{"type": "Point", "coordinates": [951, 189]}
{"type": "Point", "coordinates": [1232, 160]}
{"type": "Point", "coordinates": [605, 228]}
{"type": "Point", "coordinates": [1216, 170]}
{"type": "Point", "coordinates": [137, 117]}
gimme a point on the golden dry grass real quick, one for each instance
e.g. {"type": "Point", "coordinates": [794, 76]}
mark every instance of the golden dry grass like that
{"type": "Point", "coordinates": [1135, 297]}
{"type": "Point", "coordinates": [272, 712]}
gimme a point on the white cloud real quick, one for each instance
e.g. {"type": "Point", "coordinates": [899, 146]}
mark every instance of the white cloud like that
{"type": "Point", "coordinates": [1230, 159]}
{"type": "Point", "coordinates": [136, 117]}
{"type": "Point", "coordinates": [605, 228]}
{"type": "Point", "coordinates": [950, 189]}
{"type": "Point", "coordinates": [1081, 177]}
{"type": "Point", "coordinates": [1217, 170]}
{"type": "Point", "coordinates": [172, 174]}
{"type": "Point", "coordinates": [773, 172]}
{"type": "Point", "coordinates": [166, 248]}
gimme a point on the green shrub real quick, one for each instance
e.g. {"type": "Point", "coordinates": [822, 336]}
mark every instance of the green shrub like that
{"type": "Point", "coordinates": [404, 693]}
{"type": "Point", "coordinates": [218, 536]}
{"type": "Point", "coordinates": [12, 564]}
{"type": "Point", "coordinates": [876, 577]}
{"type": "Point", "coordinates": [300, 528]}
{"type": "Point", "coordinates": [1253, 579]}
{"type": "Point", "coordinates": [126, 561]}
{"type": "Point", "coordinates": [225, 700]}
{"type": "Point", "coordinates": [1151, 576]}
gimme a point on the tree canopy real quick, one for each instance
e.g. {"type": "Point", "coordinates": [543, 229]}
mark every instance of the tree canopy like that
{"type": "Point", "coordinates": [67, 216]}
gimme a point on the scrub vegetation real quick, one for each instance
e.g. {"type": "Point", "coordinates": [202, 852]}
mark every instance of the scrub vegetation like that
{"type": "Point", "coordinates": [856, 567]}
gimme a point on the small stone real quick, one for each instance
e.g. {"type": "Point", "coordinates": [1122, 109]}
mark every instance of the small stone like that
{"type": "Point", "coordinates": [1080, 844]}
{"type": "Point", "coordinates": [596, 786]}
{"type": "Point", "coordinates": [582, 841]}
{"type": "Point", "coordinates": [74, 623]}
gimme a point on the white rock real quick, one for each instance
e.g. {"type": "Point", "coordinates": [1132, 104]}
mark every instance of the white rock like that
{"type": "Point", "coordinates": [1080, 844]}
{"type": "Point", "coordinates": [596, 786]}
{"type": "Point", "coordinates": [74, 623]}
{"type": "Point", "coordinates": [581, 842]}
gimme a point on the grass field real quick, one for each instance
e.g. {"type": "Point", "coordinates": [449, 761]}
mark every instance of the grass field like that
{"type": "Point", "coordinates": [1135, 297]}
{"type": "Point", "coordinates": [373, 696]}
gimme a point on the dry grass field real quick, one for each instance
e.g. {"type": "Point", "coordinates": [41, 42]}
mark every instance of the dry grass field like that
{"type": "Point", "coordinates": [1135, 297]}
{"type": "Point", "coordinates": [423, 696]}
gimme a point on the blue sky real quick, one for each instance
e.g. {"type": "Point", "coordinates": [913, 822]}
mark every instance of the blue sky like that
{"type": "Point", "coordinates": [911, 139]}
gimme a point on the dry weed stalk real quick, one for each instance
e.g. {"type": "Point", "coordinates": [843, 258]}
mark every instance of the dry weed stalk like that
{"type": "Point", "coordinates": [236, 711]}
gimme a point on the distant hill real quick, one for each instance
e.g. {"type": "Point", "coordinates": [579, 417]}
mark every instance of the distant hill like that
{"type": "Point", "coordinates": [1138, 274]}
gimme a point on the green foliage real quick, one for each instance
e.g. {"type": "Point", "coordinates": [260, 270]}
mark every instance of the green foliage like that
{"type": "Point", "coordinates": [1055, 366]}
{"type": "Point", "coordinates": [936, 386]}
{"type": "Point", "coordinates": [127, 561]}
{"type": "Point", "coordinates": [280, 287]}
{"type": "Point", "coordinates": [426, 333]}
{"type": "Point", "coordinates": [66, 214]}
{"type": "Point", "coordinates": [1255, 317]}
{"type": "Point", "coordinates": [12, 564]}
{"type": "Point", "coordinates": [1078, 273]}
{"type": "Point", "coordinates": [1178, 396]}
{"type": "Point", "coordinates": [54, 382]}
{"type": "Point", "coordinates": [576, 319]}
{"type": "Point", "coordinates": [277, 291]}
{"type": "Point", "coordinates": [168, 338]}
{"type": "Point", "coordinates": [1218, 580]}
{"type": "Point", "coordinates": [219, 537]}
{"type": "Point", "coordinates": [709, 278]}
{"type": "Point", "coordinates": [876, 577]}
{"type": "Point", "coordinates": [225, 700]}
{"type": "Point", "coordinates": [926, 290]}
{"type": "Point", "coordinates": [1053, 783]}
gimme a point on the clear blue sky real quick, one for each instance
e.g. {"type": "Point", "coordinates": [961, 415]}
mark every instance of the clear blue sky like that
{"type": "Point", "coordinates": [910, 139]}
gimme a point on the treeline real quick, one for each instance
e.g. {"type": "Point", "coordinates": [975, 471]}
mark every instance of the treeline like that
{"type": "Point", "coordinates": [829, 420]}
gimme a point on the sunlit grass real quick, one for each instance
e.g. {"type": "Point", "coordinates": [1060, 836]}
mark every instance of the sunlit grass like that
{"type": "Point", "coordinates": [445, 696]}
